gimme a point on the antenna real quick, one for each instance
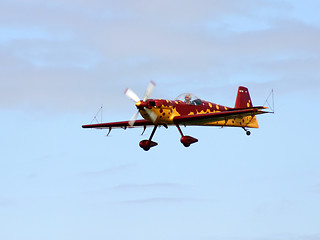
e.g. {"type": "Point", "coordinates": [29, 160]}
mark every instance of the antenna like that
{"type": "Point", "coordinates": [100, 111]}
{"type": "Point", "coordinates": [267, 102]}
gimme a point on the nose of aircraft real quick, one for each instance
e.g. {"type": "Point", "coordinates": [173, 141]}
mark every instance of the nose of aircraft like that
{"type": "Point", "coordinates": [141, 104]}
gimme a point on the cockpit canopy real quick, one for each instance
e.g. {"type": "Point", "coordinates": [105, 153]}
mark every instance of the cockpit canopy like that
{"type": "Point", "coordinates": [189, 98]}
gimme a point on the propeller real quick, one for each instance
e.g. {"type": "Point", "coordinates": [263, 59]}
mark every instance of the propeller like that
{"type": "Point", "coordinates": [152, 115]}
{"type": "Point", "coordinates": [149, 90]}
{"type": "Point", "coordinates": [133, 119]}
{"type": "Point", "coordinates": [134, 97]}
{"type": "Point", "coordinates": [130, 94]}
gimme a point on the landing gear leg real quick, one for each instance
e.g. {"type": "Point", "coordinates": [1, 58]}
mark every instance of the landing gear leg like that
{"type": "Point", "coordinates": [147, 144]}
{"type": "Point", "coordinates": [247, 131]}
{"type": "Point", "coordinates": [186, 140]}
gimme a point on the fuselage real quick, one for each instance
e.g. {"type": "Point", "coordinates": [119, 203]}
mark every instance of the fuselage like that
{"type": "Point", "coordinates": [167, 110]}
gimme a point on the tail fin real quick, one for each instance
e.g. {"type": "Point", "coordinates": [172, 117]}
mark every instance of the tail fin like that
{"type": "Point", "coordinates": [243, 98]}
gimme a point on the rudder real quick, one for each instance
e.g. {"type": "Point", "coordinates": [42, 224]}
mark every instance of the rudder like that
{"type": "Point", "coordinates": [243, 98]}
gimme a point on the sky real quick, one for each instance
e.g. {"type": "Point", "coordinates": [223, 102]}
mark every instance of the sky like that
{"type": "Point", "coordinates": [61, 60]}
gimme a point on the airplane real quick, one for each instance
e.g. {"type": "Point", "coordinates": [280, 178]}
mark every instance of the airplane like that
{"type": "Point", "coordinates": [186, 110]}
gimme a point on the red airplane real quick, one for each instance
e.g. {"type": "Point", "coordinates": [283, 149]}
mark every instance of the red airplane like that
{"type": "Point", "coordinates": [187, 110]}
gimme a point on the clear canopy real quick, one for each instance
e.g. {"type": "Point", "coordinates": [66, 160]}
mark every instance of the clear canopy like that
{"type": "Point", "coordinates": [189, 98]}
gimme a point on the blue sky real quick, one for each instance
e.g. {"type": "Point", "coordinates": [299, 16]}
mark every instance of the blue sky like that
{"type": "Point", "coordinates": [60, 60]}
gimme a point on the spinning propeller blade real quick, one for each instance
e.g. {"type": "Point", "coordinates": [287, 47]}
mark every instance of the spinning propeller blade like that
{"type": "Point", "coordinates": [136, 99]}
{"type": "Point", "coordinates": [130, 94]}
{"type": "Point", "coordinates": [152, 115]}
{"type": "Point", "coordinates": [133, 119]}
{"type": "Point", "coordinates": [149, 90]}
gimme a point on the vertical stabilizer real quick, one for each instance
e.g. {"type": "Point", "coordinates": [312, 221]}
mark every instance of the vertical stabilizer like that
{"type": "Point", "coordinates": [243, 98]}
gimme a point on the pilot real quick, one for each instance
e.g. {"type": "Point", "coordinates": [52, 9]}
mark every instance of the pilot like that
{"type": "Point", "coordinates": [187, 98]}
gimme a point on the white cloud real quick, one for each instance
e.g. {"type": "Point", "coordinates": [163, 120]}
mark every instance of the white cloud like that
{"type": "Point", "coordinates": [5, 203]}
{"type": "Point", "coordinates": [135, 187]}
{"type": "Point", "coordinates": [77, 54]}
{"type": "Point", "coordinates": [158, 200]}
{"type": "Point", "coordinates": [108, 171]}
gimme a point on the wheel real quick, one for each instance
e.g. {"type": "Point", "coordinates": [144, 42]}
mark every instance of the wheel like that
{"type": "Point", "coordinates": [248, 133]}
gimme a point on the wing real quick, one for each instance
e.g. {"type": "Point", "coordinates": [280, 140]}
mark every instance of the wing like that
{"type": "Point", "coordinates": [123, 124]}
{"type": "Point", "coordinates": [200, 119]}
